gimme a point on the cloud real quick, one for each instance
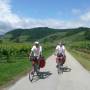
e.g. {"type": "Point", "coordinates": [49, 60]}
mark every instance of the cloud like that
{"type": "Point", "coordinates": [10, 20]}
{"type": "Point", "coordinates": [85, 17]}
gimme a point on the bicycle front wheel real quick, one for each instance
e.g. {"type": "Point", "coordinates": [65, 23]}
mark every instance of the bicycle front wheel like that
{"type": "Point", "coordinates": [31, 75]}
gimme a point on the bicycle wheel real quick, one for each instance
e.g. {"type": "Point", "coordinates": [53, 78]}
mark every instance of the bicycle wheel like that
{"type": "Point", "coordinates": [60, 69]}
{"type": "Point", "coordinates": [31, 75]}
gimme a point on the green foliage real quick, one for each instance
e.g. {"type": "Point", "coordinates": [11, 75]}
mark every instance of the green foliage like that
{"type": "Point", "coordinates": [1, 41]}
{"type": "Point", "coordinates": [9, 71]}
{"type": "Point", "coordinates": [73, 31]}
{"type": "Point", "coordinates": [9, 51]}
{"type": "Point", "coordinates": [87, 34]}
{"type": "Point", "coordinates": [82, 57]}
{"type": "Point", "coordinates": [14, 50]}
{"type": "Point", "coordinates": [83, 46]}
{"type": "Point", "coordinates": [46, 34]}
{"type": "Point", "coordinates": [29, 35]}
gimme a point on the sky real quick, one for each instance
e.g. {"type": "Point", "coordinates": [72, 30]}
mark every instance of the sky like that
{"type": "Point", "coordinates": [44, 13]}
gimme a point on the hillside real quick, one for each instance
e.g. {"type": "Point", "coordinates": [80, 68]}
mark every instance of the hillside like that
{"type": "Point", "coordinates": [79, 34]}
{"type": "Point", "coordinates": [24, 35]}
{"type": "Point", "coordinates": [45, 34]}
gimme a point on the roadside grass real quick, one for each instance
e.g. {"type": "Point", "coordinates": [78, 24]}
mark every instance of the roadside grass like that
{"type": "Point", "coordinates": [83, 58]}
{"type": "Point", "coordinates": [11, 71]}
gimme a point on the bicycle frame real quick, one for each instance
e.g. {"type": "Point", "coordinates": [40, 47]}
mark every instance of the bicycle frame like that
{"type": "Point", "coordinates": [59, 61]}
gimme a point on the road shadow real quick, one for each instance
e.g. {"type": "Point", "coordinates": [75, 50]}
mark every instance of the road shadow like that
{"type": "Point", "coordinates": [41, 75]}
{"type": "Point", "coordinates": [66, 69]}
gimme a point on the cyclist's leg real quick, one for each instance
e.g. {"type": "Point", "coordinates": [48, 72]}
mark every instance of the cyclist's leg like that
{"type": "Point", "coordinates": [58, 62]}
{"type": "Point", "coordinates": [64, 59]}
{"type": "Point", "coordinates": [32, 71]}
{"type": "Point", "coordinates": [36, 65]}
{"type": "Point", "coordinates": [35, 61]}
{"type": "Point", "coordinates": [33, 64]}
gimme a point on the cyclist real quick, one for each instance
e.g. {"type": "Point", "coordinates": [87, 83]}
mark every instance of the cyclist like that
{"type": "Point", "coordinates": [60, 50]}
{"type": "Point", "coordinates": [35, 54]}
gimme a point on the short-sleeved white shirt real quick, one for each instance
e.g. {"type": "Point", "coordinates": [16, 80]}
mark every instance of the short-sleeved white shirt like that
{"type": "Point", "coordinates": [60, 49]}
{"type": "Point", "coordinates": [36, 50]}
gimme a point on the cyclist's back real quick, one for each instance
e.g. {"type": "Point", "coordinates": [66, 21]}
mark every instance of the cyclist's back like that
{"type": "Point", "coordinates": [60, 49]}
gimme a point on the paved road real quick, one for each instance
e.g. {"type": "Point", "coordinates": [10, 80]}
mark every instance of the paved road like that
{"type": "Point", "coordinates": [77, 79]}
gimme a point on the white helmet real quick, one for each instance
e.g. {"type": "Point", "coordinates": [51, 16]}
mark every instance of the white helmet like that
{"type": "Point", "coordinates": [36, 42]}
{"type": "Point", "coordinates": [60, 43]}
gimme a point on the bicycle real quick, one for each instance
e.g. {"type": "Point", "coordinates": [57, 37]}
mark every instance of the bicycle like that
{"type": "Point", "coordinates": [37, 64]}
{"type": "Point", "coordinates": [60, 61]}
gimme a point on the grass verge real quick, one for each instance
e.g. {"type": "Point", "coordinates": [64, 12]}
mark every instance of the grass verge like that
{"type": "Point", "coordinates": [82, 57]}
{"type": "Point", "coordinates": [11, 71]}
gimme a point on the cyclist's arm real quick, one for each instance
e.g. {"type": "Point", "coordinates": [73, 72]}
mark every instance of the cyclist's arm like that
{"type": "Point", "coordinates": [64, 49]}
{"type": "Point", "coordinates": [31, 53]}
{"type": "Point", "coordinates": [57, 49]}
{"type": "Point", "coordinates": [40, 50]}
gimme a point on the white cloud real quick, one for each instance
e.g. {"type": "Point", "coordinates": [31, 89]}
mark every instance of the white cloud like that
{"type": "Point", "coordinates": [10, 20]}
{"type": "Point", "coordinates": [7, 17]}
{"type": "Point", "coordinates": [85, 17]}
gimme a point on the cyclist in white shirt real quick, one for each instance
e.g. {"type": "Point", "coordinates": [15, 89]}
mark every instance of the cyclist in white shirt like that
{"type": "Point", "coordinates": [36, 50]}
{"type": "Point", "coordinates": [35, 54]}
{"type": "Point", "coordinates": [60, 49]}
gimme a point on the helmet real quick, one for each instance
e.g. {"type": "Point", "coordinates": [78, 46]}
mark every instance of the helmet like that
{"type": "Point", "coordinates": [36, 42]}
{"type": "Point", "coordinates": [60, 43]}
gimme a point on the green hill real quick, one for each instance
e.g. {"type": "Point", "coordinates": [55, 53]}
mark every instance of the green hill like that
{"type": "Point", "coordinates": [24, 35]}
{"type": "Point", "coordinates": [69, 35]}
{"type": "Point", "coordinates": [46, 34]}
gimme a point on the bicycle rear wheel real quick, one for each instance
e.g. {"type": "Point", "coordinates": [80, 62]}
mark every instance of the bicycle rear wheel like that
{"type": "Point", "coordinates": [60, 69]}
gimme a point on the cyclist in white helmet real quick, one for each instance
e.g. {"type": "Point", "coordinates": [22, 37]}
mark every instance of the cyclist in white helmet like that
{"type": "Point", "coordinates": [36, 50]}
{"type": "Point", "coordinates": [60, 48]}
{"type": "Point", "coordinates": [35, 54]}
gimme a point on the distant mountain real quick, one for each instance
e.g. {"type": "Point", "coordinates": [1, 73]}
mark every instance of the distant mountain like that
{"type": "Point", "coordinates": [44, 33]}
{"type": "Point", "coordinates": [69, 35]}
{"type": "Point", "coordinates": [1, 36]}
{"type": "Point", "coordinates": [21, 35]}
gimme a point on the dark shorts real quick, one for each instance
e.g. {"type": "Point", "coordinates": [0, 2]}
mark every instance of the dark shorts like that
{"type": "Point", "coordinates": [60, 60]}
{"type": "Point", "coordinates": [34, 59]}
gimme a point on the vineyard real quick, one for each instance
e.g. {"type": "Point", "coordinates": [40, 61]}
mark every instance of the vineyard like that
{"type": "Point", "coordinates": [15, 50]}
{"type": "Point", "coordinates": [83, 46]}
{"type": "Point", "coordinates": [8, 51]}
